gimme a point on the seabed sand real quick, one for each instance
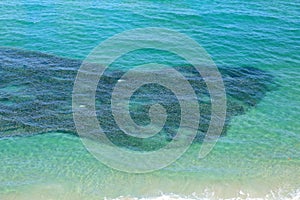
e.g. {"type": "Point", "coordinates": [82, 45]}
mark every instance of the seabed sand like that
{"type": "Point", "coordinates": [283, 183]}
{"type": "Point", "coordinates": [218, 191]}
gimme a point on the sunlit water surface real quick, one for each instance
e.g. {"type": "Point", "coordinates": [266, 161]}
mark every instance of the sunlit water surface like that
{"type": "Point", "coordinates": [258, 156]}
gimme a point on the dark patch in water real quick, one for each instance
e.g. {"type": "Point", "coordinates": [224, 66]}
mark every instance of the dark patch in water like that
{"type": "Point", "coordinates": [36, 97]}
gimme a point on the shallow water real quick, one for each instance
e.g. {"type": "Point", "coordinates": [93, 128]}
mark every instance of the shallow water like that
{"type": "Point", "coordinates": [259, 153]}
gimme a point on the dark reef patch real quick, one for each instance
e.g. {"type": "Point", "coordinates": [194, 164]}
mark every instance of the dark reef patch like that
{"type": "Point", "coordinates": [36, 97]}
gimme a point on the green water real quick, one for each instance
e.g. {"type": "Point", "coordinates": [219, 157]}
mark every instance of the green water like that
{"type": "Point", "coordinates": [259, 154]}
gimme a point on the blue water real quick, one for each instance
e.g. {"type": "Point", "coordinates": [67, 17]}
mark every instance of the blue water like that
{"type": "Point", "coordinates": [254, 44]}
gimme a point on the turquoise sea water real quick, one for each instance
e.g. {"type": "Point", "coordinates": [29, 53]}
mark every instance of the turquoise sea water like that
{"type": "Point", "coordinates": [255, 45]}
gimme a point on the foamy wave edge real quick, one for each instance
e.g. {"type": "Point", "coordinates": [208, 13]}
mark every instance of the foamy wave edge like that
{"type": "Point", "coordinates": [282, 195]}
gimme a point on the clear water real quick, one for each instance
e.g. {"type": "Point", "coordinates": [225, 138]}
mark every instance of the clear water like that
{"type": "Point", "coordinates": [258, 156]}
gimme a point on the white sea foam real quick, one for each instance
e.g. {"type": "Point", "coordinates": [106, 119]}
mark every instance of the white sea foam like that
{"type": "Point", "coordinates": [208, 195]}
